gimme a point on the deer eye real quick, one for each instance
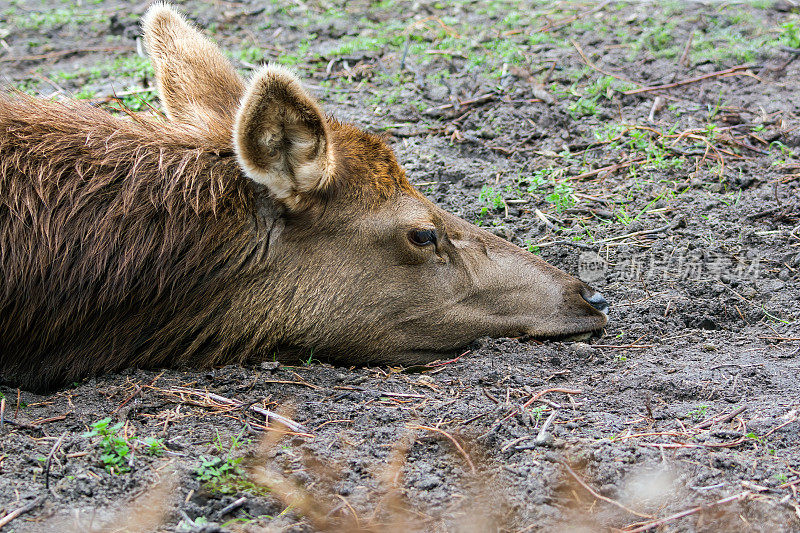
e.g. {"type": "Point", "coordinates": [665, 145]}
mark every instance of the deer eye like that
{"type": "Point", "coordinates": [423, 237]}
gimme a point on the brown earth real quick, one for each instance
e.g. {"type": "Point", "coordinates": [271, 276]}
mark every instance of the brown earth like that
{"type": "Point", "coordinates": [689, 194]}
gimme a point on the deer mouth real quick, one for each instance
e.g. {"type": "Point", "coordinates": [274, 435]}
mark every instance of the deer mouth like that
{"type": "Point", "coordinates": [579, 336]}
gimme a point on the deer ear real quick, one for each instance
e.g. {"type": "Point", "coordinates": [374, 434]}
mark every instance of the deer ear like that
{"type": "Point", "coordinates": [282, 138]}
{"type": "Point", "coordinates": [197, 84]}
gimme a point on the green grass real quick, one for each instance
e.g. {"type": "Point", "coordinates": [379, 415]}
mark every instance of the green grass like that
{"type": "Point", "coordinates": [790, 34]}
{"type": "Point", "coordinates": [601, 88]}
{"type": "Point", "coordinates": [85, 94]}
{"type": "Point", "coordinates": [561, 198]}
{"type": "Point", "coordinates": [491, 197]}
{"type": "Point", "coordinates": [52, 18]}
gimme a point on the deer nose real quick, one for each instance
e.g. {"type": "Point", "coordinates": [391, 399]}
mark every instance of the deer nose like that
{"type": "Point", "coordinates": [597, 301]}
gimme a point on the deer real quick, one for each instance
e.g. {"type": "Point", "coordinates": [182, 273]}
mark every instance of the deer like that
{"type": "Point", "coordinates": [243, 222]}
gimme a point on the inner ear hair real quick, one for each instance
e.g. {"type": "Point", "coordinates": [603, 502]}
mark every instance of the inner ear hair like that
{"type": "Point", "coordinates": [197, 85]}
{"type": "Point", "coordinates": [281, 137]}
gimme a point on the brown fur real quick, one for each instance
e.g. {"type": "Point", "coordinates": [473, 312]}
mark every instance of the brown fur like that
{"type": "Point", "coordinates": [108, 232]}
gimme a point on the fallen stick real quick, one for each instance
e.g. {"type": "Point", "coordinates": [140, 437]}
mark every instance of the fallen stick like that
{"type": "Point", "coordinates": [600, 496]}
{"type": "Point", "coordinates": [50, 459]}
{"type": "Point", "coordinates": [476, 100]}
{"type": "Point", "coordinates": [610, 168]}
{"type": "Point", "coordinates": [721, 418]}
{"type": "Point", "coordinates": [451, 439]}
{"type": "Point", "coordinates": [60, 53]}
{"type": "Point", "coordinates": [726, 72]}
{"type": "Point", "coordinates": [693, 510]}
{"type": "Point", "coordinates": [595, 67]}
{"type": "Point", "coordinates": [134, 394]}
{"type": "Point", "coordinates": [546, 391]}
{"type": "Point", "coordinates": [22, 510]}
{"type": "Point", "coordinates": [23, 425]}
{"type": "Point", "coordinates": [536, 397]}
{"type": "Point", "coordinates": [230, 507]}
{"type": "Point", "coordinates": [52, 419]}
{"type": "Point", "coordinates": [288, 422]}
{"type": "Point", "coordinates": [661, 229]}
{"type": "Point", "coordinates": [776, 428]}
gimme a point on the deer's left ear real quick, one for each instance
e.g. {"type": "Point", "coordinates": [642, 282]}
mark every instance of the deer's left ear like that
{"type": "Point", "coordinates": [197, 84]}
{"type": "Point", "coordinates": [282, 138]}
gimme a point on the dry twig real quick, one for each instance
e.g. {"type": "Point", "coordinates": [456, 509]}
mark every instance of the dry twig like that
{"type": "Point", "coordinates": [600, 496]}
{"type": "Point", "coordinates": [737, 70]}
{"type": "Point", "coordinates": [22, 510]}
{"type": "Point", "coordinates": [290, 424]}
{"type": "Point", "coordinates": [62, 53]}
{"type": "Point", "coordinates": [661, 521]}
{"type": "Point", "coordinates": [451, 439]}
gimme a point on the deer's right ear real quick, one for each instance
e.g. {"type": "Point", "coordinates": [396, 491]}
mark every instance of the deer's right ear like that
{"type": "Point", "coordinates": [197, 84]}
{"type": "Point", "coordinates": [282, 138]}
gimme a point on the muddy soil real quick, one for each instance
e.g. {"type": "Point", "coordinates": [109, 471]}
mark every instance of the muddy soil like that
{"type": "Point", "coordinates": [680, 204]}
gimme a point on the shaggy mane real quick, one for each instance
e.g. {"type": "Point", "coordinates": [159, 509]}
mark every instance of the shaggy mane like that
{"type": "Point", "coordinates": [108, 219]}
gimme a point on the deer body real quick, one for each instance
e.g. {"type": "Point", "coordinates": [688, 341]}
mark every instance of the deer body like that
{"type": "Point", "coordinates": [247, 221]}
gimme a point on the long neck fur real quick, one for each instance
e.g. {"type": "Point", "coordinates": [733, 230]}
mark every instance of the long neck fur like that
{"type": "Point", "coordinates": [118, 241]}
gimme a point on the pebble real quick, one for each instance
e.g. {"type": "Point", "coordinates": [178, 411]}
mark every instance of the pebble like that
{"type": "Point", "coordinates": [582, 349]}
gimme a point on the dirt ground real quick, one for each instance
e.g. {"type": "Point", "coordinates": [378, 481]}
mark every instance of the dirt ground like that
{"type": "Point", "coordinates": [681, 204]}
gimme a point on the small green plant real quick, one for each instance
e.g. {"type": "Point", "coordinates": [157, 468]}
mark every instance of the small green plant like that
{"type": "Point", "coordinates": [790, 34]}
{"type": "Point", "coordinates": [531, 247]}
{"type": "Point", "coordinates": [223, 473]}
{"type": "Point", "coordinates": [537, 412]}
{"type": "Point", "coordinates": [538, 179]}
{"type": "Point", "coordinates": [219, 472]}
{"type": "Point", "coordinates": [583, 107]}
{"type": "Point", "coordinates": [491, 197]}
{"type": "Point", "coordinates": [698, 413]}
{"type": "Point", "coordinates": [154, 446]}
{"type": "Point", "coordinates": [188, 524]}
{"type": "Point", "coordinates": [85, 94]}
{"type": "Point", "coordinates": [622, 216]}
{"type": "Point", "coordinates": [116, 449]}
{"type": "Point", "coordinates": [759, 439]}
{"type": "Point", "coordinates": [561, 197]}
{"type": "Point", "coordinates": [249, 54]}
{"type": "Point", "coordinates": [602, 87]}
